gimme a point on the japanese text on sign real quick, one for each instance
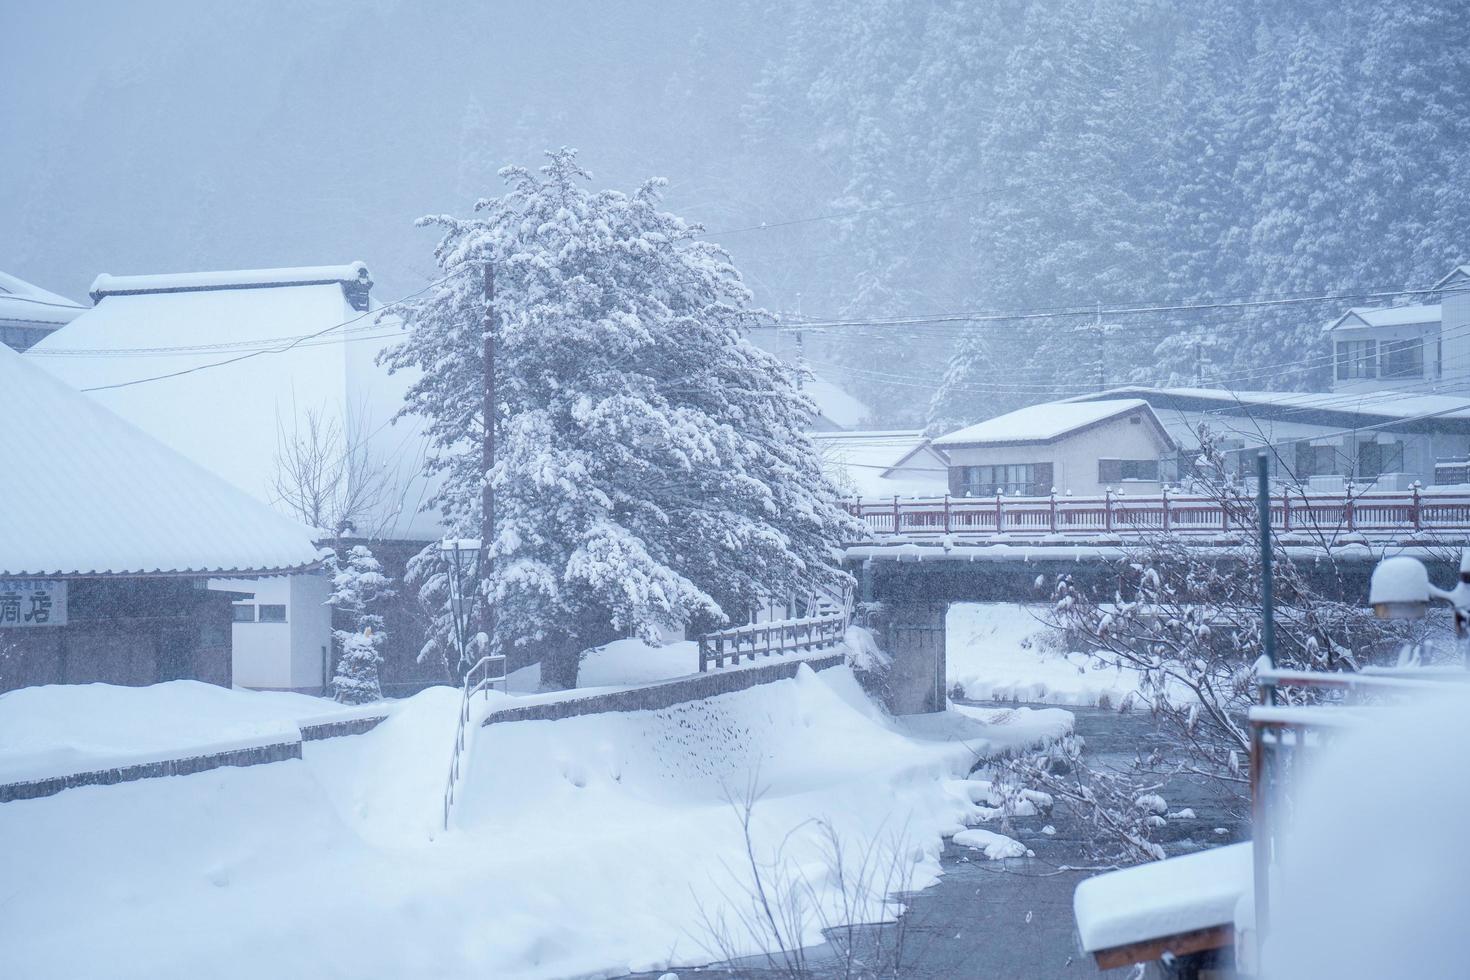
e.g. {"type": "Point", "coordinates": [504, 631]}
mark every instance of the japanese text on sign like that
{"type": "Point", "coordinates": [32, 602]}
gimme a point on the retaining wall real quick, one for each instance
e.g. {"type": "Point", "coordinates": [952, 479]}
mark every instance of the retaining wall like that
{"type": "Point", "coordinates": [665, 693]}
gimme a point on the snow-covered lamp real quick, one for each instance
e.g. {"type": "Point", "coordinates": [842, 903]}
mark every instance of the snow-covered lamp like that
{"type": "Point", "coordinates": [1400, 589]}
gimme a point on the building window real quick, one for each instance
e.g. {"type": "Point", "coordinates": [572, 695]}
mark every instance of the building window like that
{"type": "Point", "coordinates": [1317, 461]}
{"type": "Point", "coordinates": [1010, 479]}
{"type": "Point", "coordinates": [272, 614]}
{"type": "Point", "coordinates": [1377, 458]}
{"type": "Point", "coordinates": [244, 612]}
{"type": "Point", "coordinates": [1403, 359]}
{"type": "Point", "coordinates": [1357, 359]}
{"type": "Point", "coordinates": [1119, 470]}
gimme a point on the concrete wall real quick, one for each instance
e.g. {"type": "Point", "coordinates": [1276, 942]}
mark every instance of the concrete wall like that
{"type": "Point", "coordinates": [131, 631]}
{"type": "Point", "coordinates": [1074, 458]}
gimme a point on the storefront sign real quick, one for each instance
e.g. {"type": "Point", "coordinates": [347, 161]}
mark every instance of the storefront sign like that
{"type": "Point", "coordinates": [32, 602]}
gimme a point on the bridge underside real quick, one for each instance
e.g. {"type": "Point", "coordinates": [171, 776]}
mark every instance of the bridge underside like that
{"type": "Point", "coordinates": [916, 585]}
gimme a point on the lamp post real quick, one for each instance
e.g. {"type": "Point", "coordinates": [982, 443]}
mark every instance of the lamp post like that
{"type": "Point", "coordinates": [1400, 589]}
{"type": "Point", "coordinates": [463, 558]}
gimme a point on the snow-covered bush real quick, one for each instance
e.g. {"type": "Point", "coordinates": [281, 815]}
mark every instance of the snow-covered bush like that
{"type": "Point", "coordinates": [358, 583]}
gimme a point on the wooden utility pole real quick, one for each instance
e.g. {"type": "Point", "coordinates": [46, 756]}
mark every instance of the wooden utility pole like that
{"type": "Point", "coordinates": [487, 445]}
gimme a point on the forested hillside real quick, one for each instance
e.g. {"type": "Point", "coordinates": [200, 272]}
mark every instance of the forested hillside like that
{"type": "Point", "coordinates": [956, 157]}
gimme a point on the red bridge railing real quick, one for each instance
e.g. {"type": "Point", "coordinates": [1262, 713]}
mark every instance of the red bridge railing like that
{"type": "Point", "coordinates": [1119, 513]}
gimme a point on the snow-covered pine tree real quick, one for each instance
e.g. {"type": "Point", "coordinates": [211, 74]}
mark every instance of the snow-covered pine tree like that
{"type": "Point", "coordinates": [358, 583]}
{"type": "Point", "coordinates": [652, 466]}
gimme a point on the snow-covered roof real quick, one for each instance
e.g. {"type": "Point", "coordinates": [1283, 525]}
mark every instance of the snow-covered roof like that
{"type": "Point", "coordinates": [228, 372]}
{"type": "Point", "coordinates": [1388, 316]}
{"type": "Point", "coordinates": [27, 303]}
{"type": "Point", "coordinates": [1044, 423]}
{"type": "Point", "coordinates": [882, 463]}
{"type": "Point", "coordinates": [1459, 274]}
{"type": "Point", "coordinates": [835, 404]}
{"type": "Point", "coordinates": [1307, 407]}
{"type": "Point", "coordinates": [311, 275]}
{"type": "Point", "coordinates": [1163, 898]}
{"type": "Point", "coordinates": [88, 494]}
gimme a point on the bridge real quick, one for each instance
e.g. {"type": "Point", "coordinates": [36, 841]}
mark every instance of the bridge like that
{"type": "Point", "coordinates": [921, 555]}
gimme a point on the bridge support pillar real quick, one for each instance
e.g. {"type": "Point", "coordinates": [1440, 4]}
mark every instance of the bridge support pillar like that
{"type": "Point", "coordinates": [914, 637]}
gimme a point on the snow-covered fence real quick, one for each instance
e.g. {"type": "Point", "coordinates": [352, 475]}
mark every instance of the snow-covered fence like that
{"type": "Point", "coordinates": [1118, 514]}
{"type": "Point", "coordinates": [786, 636]}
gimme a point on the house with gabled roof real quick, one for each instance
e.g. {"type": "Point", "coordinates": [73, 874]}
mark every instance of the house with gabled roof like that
{"type": "Point", "coordinates": [1083, 448]}
{"type": "Point", "coordinates": [878, 464]}
{"type": "Point", "coordinates": [1424, 346]}
{"type": "Point", "coordinates": [29, 313]}
{"type": "Point", "coordinates": [241, 371]}
{"type": "Point", "coordinates": [109, 540]}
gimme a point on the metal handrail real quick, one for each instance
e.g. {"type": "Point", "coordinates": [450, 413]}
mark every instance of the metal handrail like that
{"type": "Point", "coordinates": [486, 684]}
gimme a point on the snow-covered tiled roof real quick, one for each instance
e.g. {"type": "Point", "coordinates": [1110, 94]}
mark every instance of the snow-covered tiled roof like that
{"type": "Point", "coordinates": [85, 493]}
{"type": "Point", "coordinates": [110, 285]}
{"type": "Point", "coordinates": [1042, 423]}
{"type": "Point", "coordinates": [24, 302]}
{"type": "Point", "coordinates": [1388, 316]}
{"type": "Point", "coordinates": [239, 369]}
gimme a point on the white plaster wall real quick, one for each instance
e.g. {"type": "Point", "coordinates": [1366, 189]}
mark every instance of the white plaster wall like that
{"type": "Point", "coordinates": [1075, 458]}
{"type": "Point", "coordinates": [287, 655]}
{"type": "Point", "coordinates": [311, 630]}
{"type": "Point", "coordinates": [1455, 324]}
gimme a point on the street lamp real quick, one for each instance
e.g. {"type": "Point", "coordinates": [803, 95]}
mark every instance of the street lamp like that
{"type": "Point", "coordinates": [1400, 589]}
{"type": "Point", "coordinates": [463, 557]}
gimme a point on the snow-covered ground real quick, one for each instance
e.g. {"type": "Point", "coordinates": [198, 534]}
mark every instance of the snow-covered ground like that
{"type": "Point", "coordinates": [56, 730]}
{"type": "Point", "coordinates": [1004, 652]}
{"type": "Point", "coordinates": [585, 846]}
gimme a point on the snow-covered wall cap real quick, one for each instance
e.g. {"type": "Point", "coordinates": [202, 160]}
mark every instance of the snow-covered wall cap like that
{"type": "Point", "coordinates": [351, 274]}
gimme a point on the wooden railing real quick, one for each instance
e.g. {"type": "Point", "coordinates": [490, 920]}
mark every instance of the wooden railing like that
{"type": "Point", "coordinates": [770, 639]}
{"type": "Point", "coordinates": [478, 678]}
{"type": "Point", "coordinates": [1179, 513]}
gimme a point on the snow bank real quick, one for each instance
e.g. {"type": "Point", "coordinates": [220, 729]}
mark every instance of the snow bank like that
{"type": "Point", "coordinates": [1353, 907]}
{"type": "Point", "coordinates": [997, 652]}
{"type": "Point", "coordinates": [631, 662]}
{"type": "Point", "coordinates": [582, 847]}
{"type": "Point", "coordinates": [59, 729]}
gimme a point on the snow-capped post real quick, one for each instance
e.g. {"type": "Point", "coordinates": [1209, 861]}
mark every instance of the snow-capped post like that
{"type": "Point", "coordinates": [999, 519]}
{"type": "Point", "coordinates": [1268, 601]}
{"type": "Point", "coordinates": [896, 523]}
{"type": "Point", "coordinates": [1107, 509]}
{"type": "Point", "coordinates": [1286, 508]}
{"type": "Point", "coordinates": [1164, 493]}
{"type": "Point", "coordinates": [946, 512]}
{"type": "Point", "coordinates": [1414, 514]}
{"type": "Point", "coordinates": [1053, 510]}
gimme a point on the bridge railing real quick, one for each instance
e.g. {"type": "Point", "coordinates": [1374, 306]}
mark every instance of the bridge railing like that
{"type": "Point", "coordinates": [1117, 513]}
{"type": "Point", "coordinates": [785, 636]}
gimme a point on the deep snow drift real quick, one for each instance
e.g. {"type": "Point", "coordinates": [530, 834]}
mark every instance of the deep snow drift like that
{"type": "Point", "coordinates": [582, 847]}
{"type": "Point", "coordinates": [1002, 652]}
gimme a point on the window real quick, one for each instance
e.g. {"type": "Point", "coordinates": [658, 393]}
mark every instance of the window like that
{"type": "Point", "coordinates": [1118, 470]}
{"type": "Point", "coordinates": [1316, 461]}
{"type": "Point", "coordinates": [272, 614]}
{"type": "Point", "coordinates": [1357, 359]}
{"type": "Point", "coordinates": [1377, 458]}
{"type": "Point", "coordinates": [244, 612]}
{"type": "Point", "coordinates": [1403, 359]}
{"type": "Point", "coordinates": [1010, 479]}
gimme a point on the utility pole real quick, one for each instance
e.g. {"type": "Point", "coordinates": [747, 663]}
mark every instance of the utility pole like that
{"type": "Point", "coordinates": [1199, 365]}
{"type": "Point", "coordinates": [487, 447]}
{"type": "Point", "coordinates": [1102, 379]}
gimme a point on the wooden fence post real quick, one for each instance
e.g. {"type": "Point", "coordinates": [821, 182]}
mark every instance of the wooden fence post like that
{"type": "Point", "coordinates": [1108, 509]}
{"type": "Point", "coordinates": [1165, 518]}
{"type": "Point", "coordinates": [1414, 516]}
{"type": "Point", "coordinates": [703, 654]}
{"type": "Point", "coordinates": [1352, 523]}
{"type": "Point", "coordinates": [1053, 510]}
{"type": "Point", "coordinates": [895, 514]}
{"type": "Point", "coordinates": [946, 512]}
{"type": "Point", "coordinates": [1286, 508]}
{"type": "Point", "coordinates": [999, 517]}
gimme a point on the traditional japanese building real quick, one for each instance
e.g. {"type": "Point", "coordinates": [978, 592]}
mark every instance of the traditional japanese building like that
{"type": "Point", "coordinates": [269, 379]}
{"type": "Point", "coordinates": [108, 543]}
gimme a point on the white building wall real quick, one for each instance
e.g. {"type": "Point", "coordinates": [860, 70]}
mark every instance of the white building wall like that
{"type": "Point", "coordinates": [1074, 458]}
{"type": "Point", "coordinates": [290, 655]}
{"type": "Point", "coordinates": [1455, 327]}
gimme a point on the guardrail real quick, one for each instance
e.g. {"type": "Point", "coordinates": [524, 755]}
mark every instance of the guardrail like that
{"type": "Point", "coordinates": [1117, 513]}
{"type": "Point", "coordinates": [785, 636]}
{"type": "Point", "coordinates": [471, 687]}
